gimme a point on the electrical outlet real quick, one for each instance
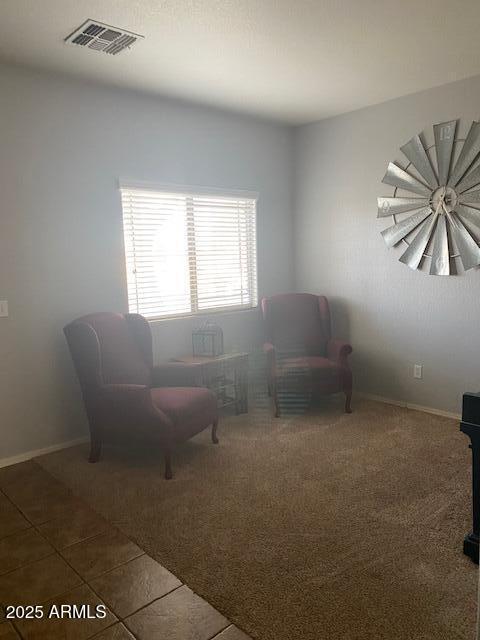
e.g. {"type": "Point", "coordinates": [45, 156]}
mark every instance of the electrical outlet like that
{"type": "Point", "coordinates": [418, 371]}
{"type": "Point", "coordinates": [3, 308]}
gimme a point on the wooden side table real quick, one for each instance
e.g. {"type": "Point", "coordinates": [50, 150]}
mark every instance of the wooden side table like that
{"type": "Point", "coordinates": [226, 376]}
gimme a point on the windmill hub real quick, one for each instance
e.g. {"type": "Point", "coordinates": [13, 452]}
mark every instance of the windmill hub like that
{"type": "Point", "coordinates": [444, 199]}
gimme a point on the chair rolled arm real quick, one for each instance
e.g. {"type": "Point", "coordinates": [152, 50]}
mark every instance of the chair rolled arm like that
{"type": "Point", "coordinates": [177, 374]}
{"type": "Point", "coordinates": [338, 350]}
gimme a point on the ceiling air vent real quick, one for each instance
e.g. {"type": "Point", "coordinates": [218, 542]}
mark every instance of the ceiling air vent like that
{"type": "Point", "coordinates": [102, 37]}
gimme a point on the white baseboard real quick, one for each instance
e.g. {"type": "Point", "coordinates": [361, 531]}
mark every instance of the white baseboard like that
{"type": "Point", "coordinates": [28, 455]}
{"type": "Point", "coordinates": [410, 405]}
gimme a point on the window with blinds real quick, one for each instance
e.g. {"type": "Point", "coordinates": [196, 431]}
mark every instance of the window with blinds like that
{"type": "Point", "coordinates": [188, 253]}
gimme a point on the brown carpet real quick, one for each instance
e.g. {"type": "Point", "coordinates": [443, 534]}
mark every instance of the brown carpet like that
{"type": "Point", "coordinates": [316, 527]}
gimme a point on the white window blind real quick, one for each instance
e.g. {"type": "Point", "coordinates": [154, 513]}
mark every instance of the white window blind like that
{"type": "Point", "coordinates": [189, 253]}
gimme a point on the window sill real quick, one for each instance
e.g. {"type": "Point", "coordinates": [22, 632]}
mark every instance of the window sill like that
{"type": "Point", "coordinates": [202, 314]}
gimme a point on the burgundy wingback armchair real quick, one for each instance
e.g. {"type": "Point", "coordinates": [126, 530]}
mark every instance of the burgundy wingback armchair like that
{"type": "Point", "coordinates": [300, 348]}
{"type": "Point", "coordinates": [126, 398]}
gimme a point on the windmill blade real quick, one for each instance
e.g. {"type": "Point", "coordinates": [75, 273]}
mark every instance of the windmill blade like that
{"type": "Point", "coordinates": [469, 152]}
{"type": "Point", "coordinates": [471, 196]}
{"type": "Point", "coordinates": [470, 180]}
{"type": "Point", "coordinates": [468, 213]}
{"type": "Point", "coordinates": [467, 247]}
{"type": "Point", "coordinates": [398, 231]}
{"type": "Point", "coordinates": [397, 177]}
{"type": "Point", "coordinates": [440, 263]}
{"type": "Point", "coordinates": [444, 134]}
{"type": "Point", "coordinates": [414, 253]}
{"type": "Point", "coordinates": [415, 152]}
{"type": "Point", "coordinates": [392, 206]}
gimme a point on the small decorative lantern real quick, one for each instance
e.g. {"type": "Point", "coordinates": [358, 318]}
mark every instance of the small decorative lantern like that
{"type": "Point", "coordinates": [207, 340]}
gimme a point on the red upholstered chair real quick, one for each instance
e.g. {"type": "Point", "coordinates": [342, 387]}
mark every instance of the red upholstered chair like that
{"type": "Point", "coordinates": [300, 350]}
{"type": "Point", "coordinates": [127, 398]}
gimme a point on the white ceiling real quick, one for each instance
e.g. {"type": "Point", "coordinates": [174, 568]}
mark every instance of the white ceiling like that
{"type": "Point", "coordinates": [293, 60]}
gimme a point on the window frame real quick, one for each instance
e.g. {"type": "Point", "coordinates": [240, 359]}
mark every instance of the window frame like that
{"type": "Point", "coordinates": [192, 190]}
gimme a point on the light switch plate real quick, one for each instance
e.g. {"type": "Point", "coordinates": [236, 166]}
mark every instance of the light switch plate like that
{"type": "Point", "coordinates": [418, 371]}
{"type": "Point", "coordinates": [3, 308]}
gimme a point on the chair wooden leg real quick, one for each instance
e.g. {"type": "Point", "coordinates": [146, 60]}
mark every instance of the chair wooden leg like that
{"type": "Point", "coordinates": [214, 432]}
{"type": "Point", "coordinates": [348, 402]}
{"type": "Point", "coordinates": [168, 466]}
{"type": "Point", "coordinates": [95, 449]}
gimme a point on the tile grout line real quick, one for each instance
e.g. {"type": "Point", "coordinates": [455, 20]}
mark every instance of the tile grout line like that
{"type": "Point", "coordinates": [22, 512]}
{"type": "Point", "coordinates": [85, 581]}
{"type": "Point", "coordinates": [97, 633]}
{"type": "Point", "coordinates": [119, 618]}
{"type": "Point", "coordinates": [28, 564]}
{"type": "Point", "coordinates": [99, 575]}
{"type": "Point", "coordinates": [230, 624]}
{"type": "Point", "coordinates": [57, 552]}
{"type": "Point", "coordinates": [16, 533]}
{"type": "Point", "coordinates": [124, 620]}
{"type": "Point", "coordinates": [69, 546]}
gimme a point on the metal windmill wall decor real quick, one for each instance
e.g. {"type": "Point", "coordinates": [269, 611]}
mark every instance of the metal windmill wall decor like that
{"type": "Point", "coordinates": [441, 221]}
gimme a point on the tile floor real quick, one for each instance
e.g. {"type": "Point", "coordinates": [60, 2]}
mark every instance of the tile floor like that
{"type": "Point", "coordinates": [54, 550]}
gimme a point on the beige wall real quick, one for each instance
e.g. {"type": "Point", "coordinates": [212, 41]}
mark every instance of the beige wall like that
{"type": "Point", "coordinates": [394, 317]}
{"type": "Point", "coordinates": [63, 145]}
